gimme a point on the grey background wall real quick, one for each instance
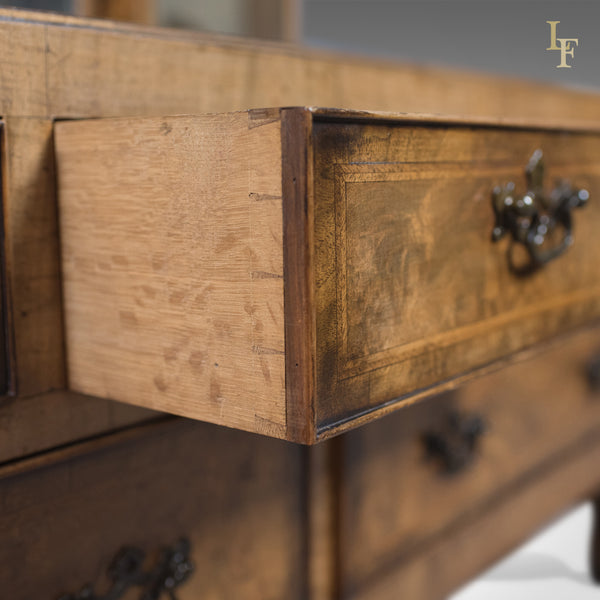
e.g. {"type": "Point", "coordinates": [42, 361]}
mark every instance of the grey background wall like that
{"type": "Point", "coordinates": [502, 36]}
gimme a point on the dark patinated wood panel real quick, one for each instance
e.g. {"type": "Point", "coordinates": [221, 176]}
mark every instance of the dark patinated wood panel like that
{"type": "Point", "coordinates": [410, 290]}
{"type": "Point", "coordinates": [239, 499]}
{"type": "Point", "coordinates": [397, 499]}
{"type": "Point", "coordinates": [465, 551]}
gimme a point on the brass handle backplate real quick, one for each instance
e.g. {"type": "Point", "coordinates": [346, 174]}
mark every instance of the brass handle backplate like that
{"type": "Point", "coordinates": [539, 222]}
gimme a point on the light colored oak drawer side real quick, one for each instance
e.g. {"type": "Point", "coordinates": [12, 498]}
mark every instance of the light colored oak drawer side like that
{"type": "Point", "coordinates": [171, 234]}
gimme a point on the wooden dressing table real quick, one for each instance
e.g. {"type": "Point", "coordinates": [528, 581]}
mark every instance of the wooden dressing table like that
{"type": "Point", "coordinates": [461, 418]}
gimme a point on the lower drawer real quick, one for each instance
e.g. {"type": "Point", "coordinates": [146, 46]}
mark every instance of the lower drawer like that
{"type": "Point", "coordinates": [410, 477]}
{"type": "Point", "coordinates": [236, 497]}
{"type": "Point", "coordinates": [259, 515]}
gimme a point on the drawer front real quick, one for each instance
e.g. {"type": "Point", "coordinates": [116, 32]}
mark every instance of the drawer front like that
{"type": "Point", "coordinates": [410, 289]}
{"type": "Point", "coordinates": [400, 492]}
{"type": "Point", "coordinates": [237, 498]}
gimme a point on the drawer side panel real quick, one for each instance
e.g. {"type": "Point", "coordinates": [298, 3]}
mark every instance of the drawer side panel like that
{"type": "Point", "coordinates": [171, 232]}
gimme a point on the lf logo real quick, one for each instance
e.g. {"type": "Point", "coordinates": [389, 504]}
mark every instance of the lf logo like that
{"type": "Point", "coordinates": [565, 45]}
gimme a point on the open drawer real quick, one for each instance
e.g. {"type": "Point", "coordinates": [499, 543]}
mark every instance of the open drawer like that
{"type": "Point", "coordinates": [297, 272]}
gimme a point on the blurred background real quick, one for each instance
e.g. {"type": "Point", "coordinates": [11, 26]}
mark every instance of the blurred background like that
{"type": "Point", "coordinates": [500, 36]}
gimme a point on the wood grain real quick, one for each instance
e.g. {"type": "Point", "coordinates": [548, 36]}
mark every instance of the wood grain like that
{"type": "Point", "coordinates": [32, 260]}
{"type": "Point", "coordinates": [376, 242]}
{"type": "Point", "coordinates": [395, 501]}
{"type": "Point", "coordinates": [69, 67]}
{"type": "Point", "coordinates": [247, 503]}
{"type": "Point", "coordinates": [60, 66]}
{"type": "Point", "coordinates": [33, 424]}
{"type": "Point", "coordinates": [410, 291]}
{"type": "Point", "coordinates": [7, 354]}
{"type": "Point", "coordinates": [173, 268]}
{"type": "Point", "coordinates": [300, 330]}
{"type": "Point", "coordinates": [237, 497]}
{"type": "Point", "coordinates": [36, 420]}
{"type": "Point", "coordinates": [323, 488]}
{"type": "Point", "coordinates": [494, 531]}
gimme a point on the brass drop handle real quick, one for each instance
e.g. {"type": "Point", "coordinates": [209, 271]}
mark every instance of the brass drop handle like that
{"type": "Point", "coordinates": [454, 445]}
{"type": "Point", "coordinates": [535, 218]}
